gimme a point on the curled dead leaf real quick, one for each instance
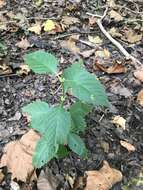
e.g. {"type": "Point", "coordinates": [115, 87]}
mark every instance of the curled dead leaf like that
{"type": "Point", "coordinates": [18, 156]}
{"type": "Point", "coordinates": [128, 146]}
{"type": "Point", "coordinates": [24, 70]}
{"type": "Point", "coordinates": [114, 69]}
{"type": "Point", "coordinates": [5, 69]}
{"type": "Point", "coordinates": [103, 179]}
{"type": "Point", "coordinates": [119, 121]}
{"type": "Point", "coordinates": [140, 97]}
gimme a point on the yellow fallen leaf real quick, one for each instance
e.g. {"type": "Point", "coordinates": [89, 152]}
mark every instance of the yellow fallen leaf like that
{"type": "Point", "coordinates": [128, 146]}
{"type": "Point", "coordinates": [119, 122]}
{"type": "Point", "coordinates": [95, 39]}
{"type": "Point", "coordinates": [140, 97]}
{"type": "Point", "coordinates": [103, 179]}
{"type": "Point", "coordinates": [49, 25]}
{"type": "Point", "coordinates": [115, 15]}
{"type": "Point", "coordinates": [18, 156]}
{"type": "Point", "coordinates": [36, 28]}
{"type": "Point", "coordinates": [23, 44]}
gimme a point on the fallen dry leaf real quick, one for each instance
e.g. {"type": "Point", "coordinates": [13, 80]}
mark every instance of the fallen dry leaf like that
{"type": "Point", "coordinates": [120, 89]}
{"type": "Point", "coordinates": [87, 53]}
{"type": "Point", "coordinates": [24, 70]}
{"type": "Point", "coordinates": [128, 146]}
{"type": "Point", "coordinates": [131, 36]}
{"type": "Point", "coordinates": [47, 181]}
{"type": "Point", "coordinates": [111, 3]}
{"type": "Point", "coordinates": [68, 20]}
{"type": "Point", "coordinates": [1, 176]}
{"type": "Point", "coordinates": [23, 44]}
{"type": "Point", "coordinates": [5, 69]}
{"type": "Point", "coordinates": [140, 97]}
{"type": "Point", "coordinates": [18, 156]}
{"type": "Point", "coordinates": [71, 45]}
{"type": "Point", "coordinates": [103, 54]}
{"type": "Point", "coordinates": [49, 25]}
{"type": "Point", "coordinates": [95, 39]}
{"type": "Point", "coordinates": [115, 15]}
{"type": "Point", "coordinates": [114, 69]}
{"type": "Point", "coordinates": [114, 32]}
{"type": "Point", "coordinates": [2, 3]}
{"type": "Point", "coordinates": [119, 121]}
{"type": "Point", "coordinates": [139, 74]}
{"type": "Point", "coordinates": [36, 28]}
{"type": "Point", "coordinates": [103, 179]}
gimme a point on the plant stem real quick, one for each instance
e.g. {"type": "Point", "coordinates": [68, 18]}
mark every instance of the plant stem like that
{"type": "Point", "coordinates": [63, 92]}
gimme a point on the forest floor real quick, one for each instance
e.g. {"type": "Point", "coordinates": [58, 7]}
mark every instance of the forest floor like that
{"type": "Point", "coordinates": [76, 32]}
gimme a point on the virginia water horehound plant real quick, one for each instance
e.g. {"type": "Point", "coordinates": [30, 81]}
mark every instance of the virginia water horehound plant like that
{"type": "Point", "coordinates": [58, 126]}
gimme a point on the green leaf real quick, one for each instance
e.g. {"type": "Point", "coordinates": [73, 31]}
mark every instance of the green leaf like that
{"type": "Point", "coordinates": [84, 85]}
{"type": "Point", "coordinates": [62, 152]}
{"type": "Point", "coordinates": [59, 121]}
{"type": "Point", "coordinates": [45, 151]}
{"type": "Point", "coordinates": [41, 62]}
{"type": "Point", "coordinates": [77, 145]}
{"type": "Point", "coordinates": [80, 108]}
{"type": "Point", "coordinates": [38, 112]}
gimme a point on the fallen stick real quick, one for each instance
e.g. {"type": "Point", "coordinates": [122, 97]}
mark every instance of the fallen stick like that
{"type": "Point", "coordinates": [115, 42]}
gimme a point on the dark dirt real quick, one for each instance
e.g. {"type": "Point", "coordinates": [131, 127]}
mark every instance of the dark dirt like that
{"type": "Point", "coordinates": [102, 137]}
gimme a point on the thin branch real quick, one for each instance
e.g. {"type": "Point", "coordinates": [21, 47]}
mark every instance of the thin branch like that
{"type": "Point", "coordinates": [115, 42]}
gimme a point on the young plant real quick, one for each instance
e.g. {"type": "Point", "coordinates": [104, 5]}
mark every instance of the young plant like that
{"type": "Point", "coordinates": [60, 127]}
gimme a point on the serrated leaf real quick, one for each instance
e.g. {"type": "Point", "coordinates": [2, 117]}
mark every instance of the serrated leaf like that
{"type": "Point", "coordinates": [41, 62]}
{"type": "Point", "coordinates": [58, 120]}
{"type": "Point", "coordinates": [76, 144]}
{"type": "Point", "coordinates": [78, 111]}
{"type": "Point", "coordinates": [80, 108]}
{"type": "Point", "coordinates": [38, 112]}
{"type": "Point", "coordinates": [84, 85]}
{"type": "Point", "coordinates": [45, 150]}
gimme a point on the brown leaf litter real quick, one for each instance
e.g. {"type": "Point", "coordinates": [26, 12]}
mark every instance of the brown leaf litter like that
{"type": "Point", "coordinates": [128, 146]}
{"type": "Point", "coordinates": [47, 181]}
{"type": "Point", "coordinates": [139, 74]}
{"type": "Point", "coordinates": [103, 179]}
{"type": "Point", "coordinates": [18, 156]}
{"type": "Point", "coordinates": [140, 97]}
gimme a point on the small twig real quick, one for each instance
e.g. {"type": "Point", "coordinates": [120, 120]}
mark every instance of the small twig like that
{"type": "Point", "coordinates": [115, 42]}
{"type": "Point", "coordinates": [8, 75]}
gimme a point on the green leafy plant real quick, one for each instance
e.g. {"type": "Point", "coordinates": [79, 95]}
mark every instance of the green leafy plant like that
{"type": "Point", "coordinates": [60, 127]}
